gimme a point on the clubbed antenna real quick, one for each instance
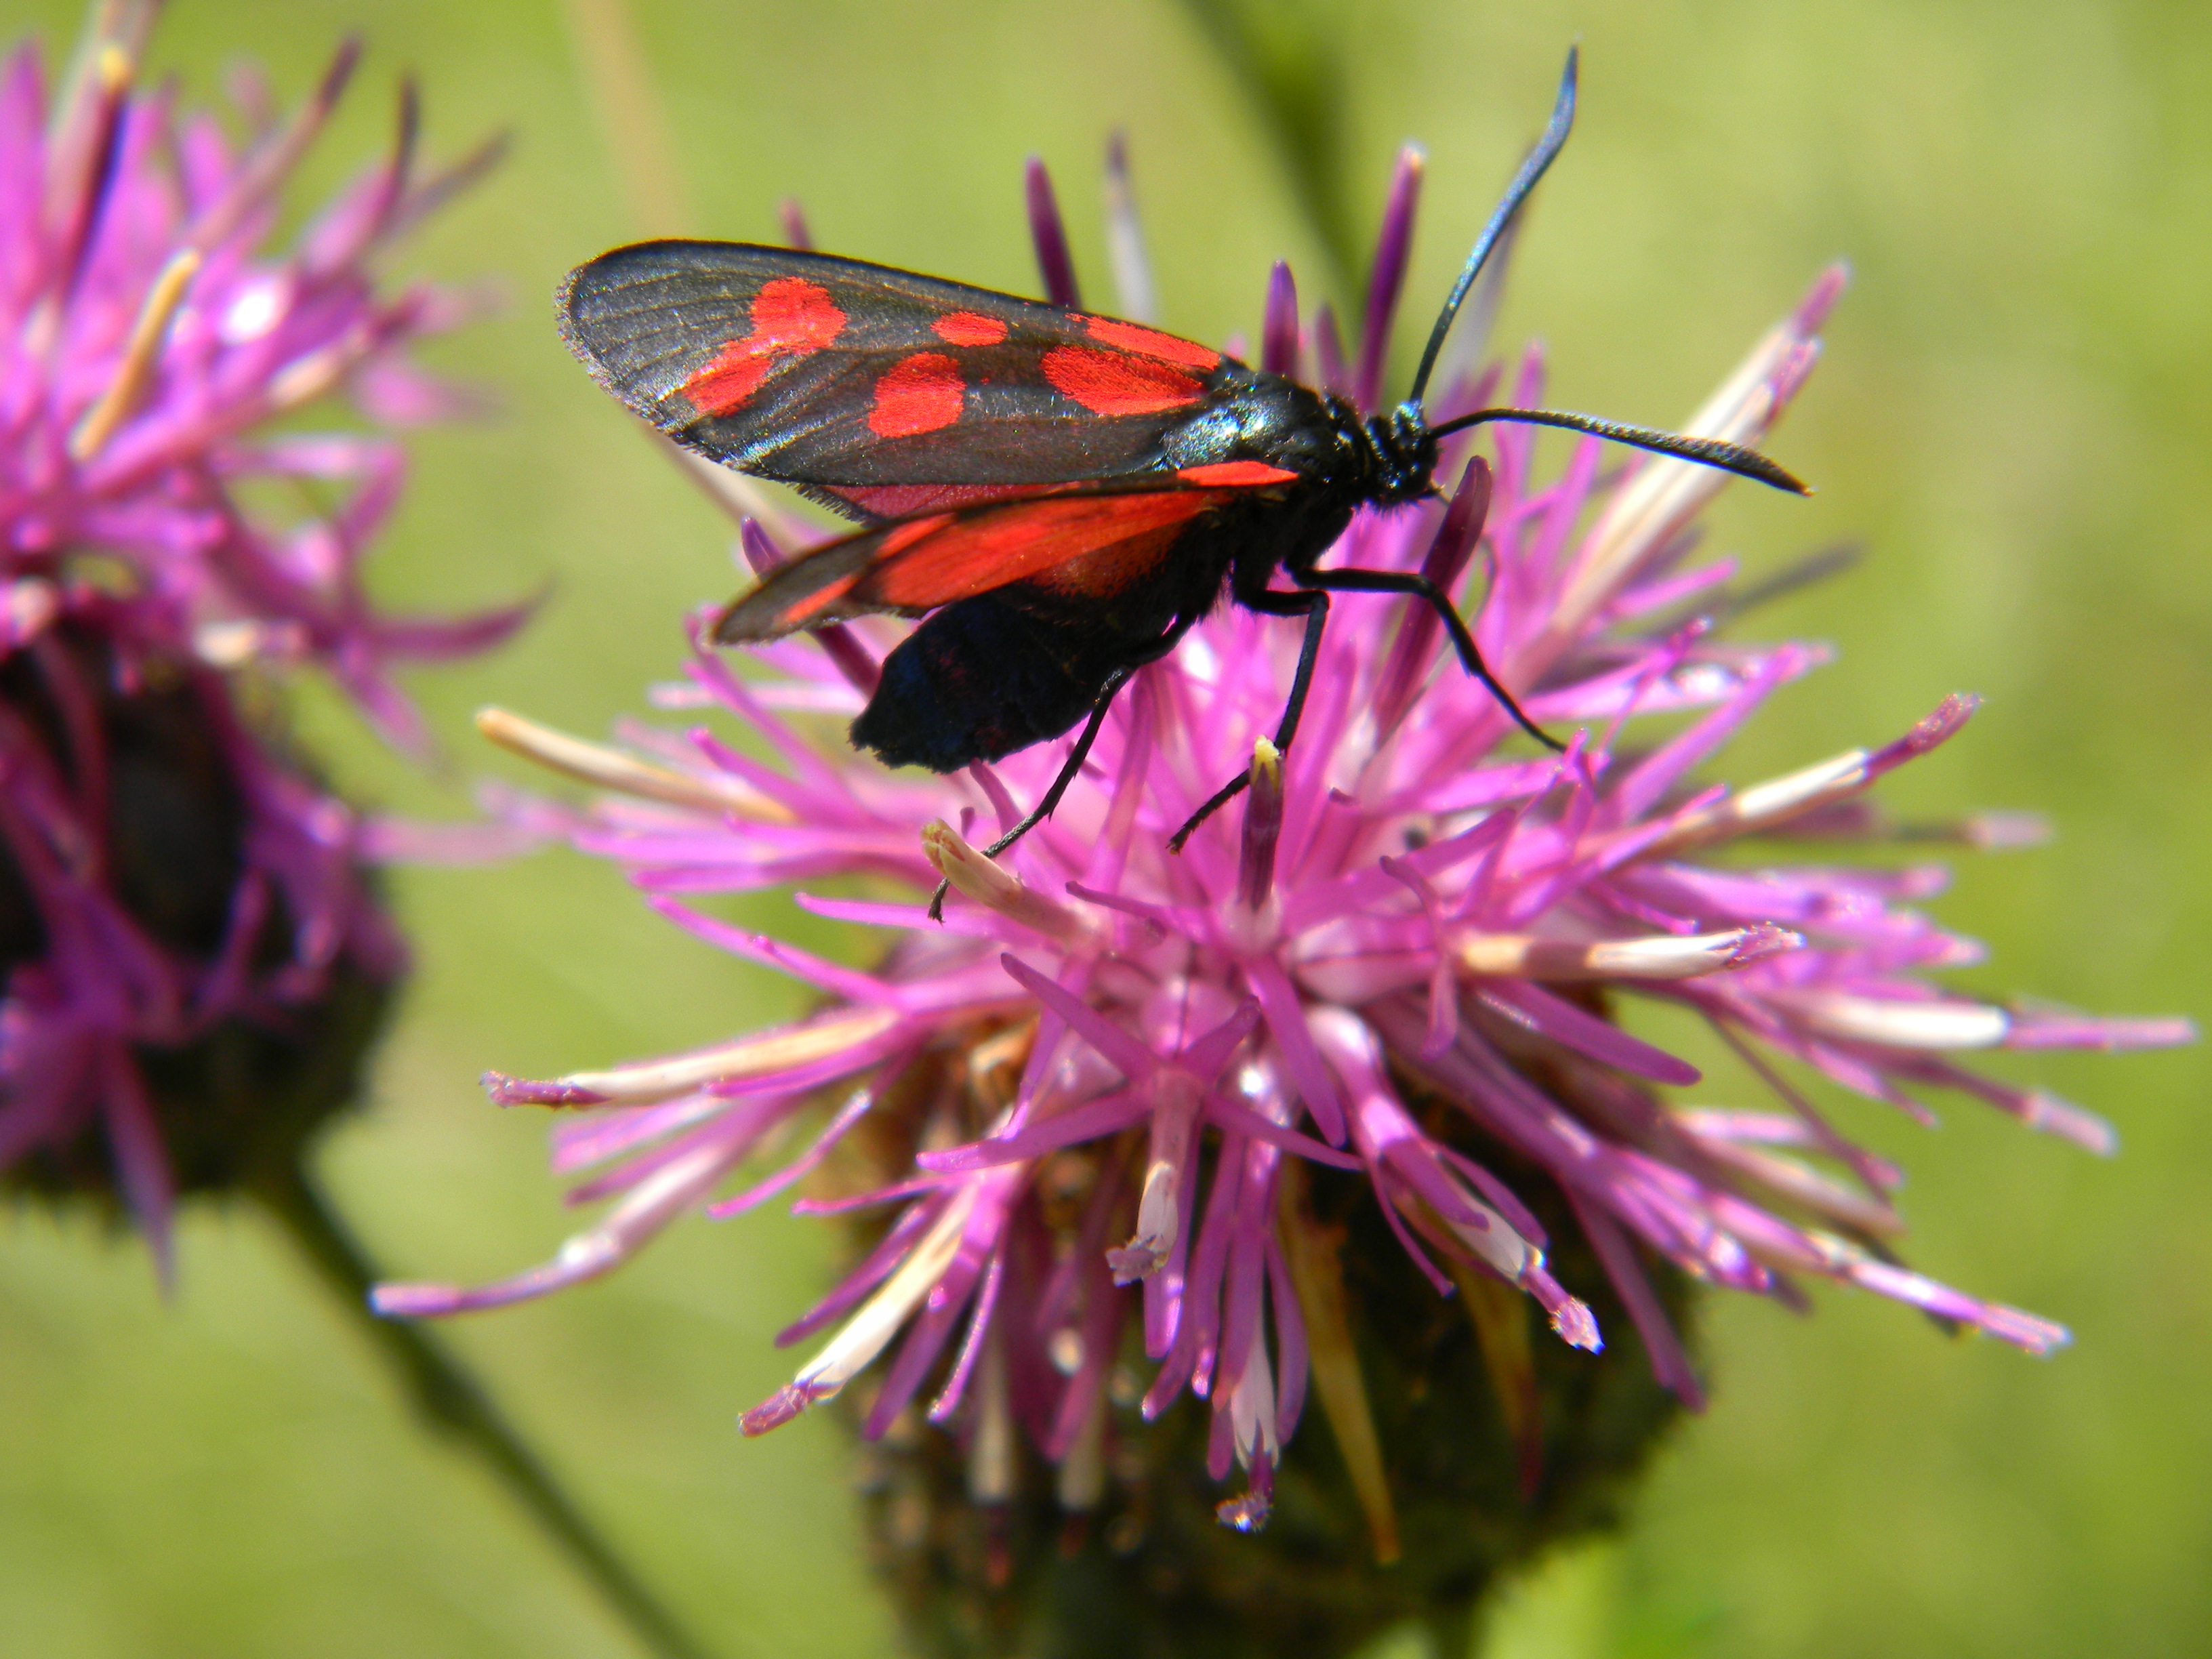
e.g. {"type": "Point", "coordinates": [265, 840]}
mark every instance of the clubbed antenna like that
{"type": "Point", "coordinates": [1705, 451]}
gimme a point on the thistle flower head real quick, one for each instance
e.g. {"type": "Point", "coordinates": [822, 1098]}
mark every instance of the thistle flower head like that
{"type": "Point", "coordinates": [148, 332]}
{"type": "Point", "coordinates": [193, 959]}
{"type": "Point", "coordinates": [1111, 1089]}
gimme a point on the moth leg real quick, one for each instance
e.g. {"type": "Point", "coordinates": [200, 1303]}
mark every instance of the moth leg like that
{"type": "Point", "coordinates": [1043, 810]}
{"type": "Point", "coordinates": [1420, 587]}
{"type": "Point", "coordinates": [1314, 607]}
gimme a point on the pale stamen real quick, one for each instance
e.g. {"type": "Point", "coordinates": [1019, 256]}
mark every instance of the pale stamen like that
{"type": "Point", "coordinates": [1764, 805]}
{"type": "Point", "coordinates": [993, 1463]}
{"type": "Point", "coordinates": [1252, 1406]}
{"type": "Point", "coordinates": [1665, 496]}
{"type": "Point", "coordinates": [1896, 1024]}
{"type": "Point", "coordinates": [1125, 239]}
{"type": "Point", "coordinates": [1081, 1484]}
{"type": "Point", "coordinates": [135, 372]}
{"type": "Point", "coordinates": [1807, 1186]}
{"type": "Point", "coordinates": [759, 1056]}
{"type": "Point", "coordinates": [1528, 956]}
{"type": "Point", "coordinates": [609, 768]}
{"type": "Point", "coordinates": [1263, 826]}
{"type": "Point", "coordinates": [1176, 1097]}
{"type": "Point", "coordinates": [869, 1330]}
{"type": "Point", "coordinates": [997, 888]}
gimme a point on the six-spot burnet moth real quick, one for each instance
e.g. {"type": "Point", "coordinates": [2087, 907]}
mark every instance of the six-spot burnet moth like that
{"type": "Point", "coordinates": [1058, 495]}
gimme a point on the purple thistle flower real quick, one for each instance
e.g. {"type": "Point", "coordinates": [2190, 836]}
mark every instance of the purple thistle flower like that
{"type": "Point", "coordinates": [1107, 1082]}
{"type": "Point", "coordinates": [194, 958]}
{"type": "Point", "coordinates": [146, 333]}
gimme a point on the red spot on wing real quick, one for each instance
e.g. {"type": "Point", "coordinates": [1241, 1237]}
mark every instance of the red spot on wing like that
{"type": "Point", "coordinates": [791, 318]}
{"type": "Point", "coordinates": [947, 558]}
{"type": "Point", "coordinates": [1135, 337]}
{"type": "Point", "coordinates": [1235, 475]}
{"type": "Point", "coordinates": [969, 328]}
{"type": "Point", "coordinates": [800, 316]}
{"type": "Point", "coordinates": [1115, 383]}
{"type": "Point", "coordinates": [920, 393]}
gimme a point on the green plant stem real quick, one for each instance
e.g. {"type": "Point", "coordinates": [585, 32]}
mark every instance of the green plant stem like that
{"type": "Point", "coordinates": [453, 1405]}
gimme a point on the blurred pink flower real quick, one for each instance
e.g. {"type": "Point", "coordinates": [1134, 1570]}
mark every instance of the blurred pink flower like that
{"type": "Point", "coordinates": [1407, 908]}
{"type": "Point", "coordinates": [146, 334]}
{"type": "Point", "coordinates": [167, 874]}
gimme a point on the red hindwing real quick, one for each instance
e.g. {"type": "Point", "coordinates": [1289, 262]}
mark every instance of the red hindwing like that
{"type": "Point", "coordinates": [1092, 544]}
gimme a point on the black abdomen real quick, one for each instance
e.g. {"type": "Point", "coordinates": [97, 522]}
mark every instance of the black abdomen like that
{"type": "Point", "coordinates": [981, 678]}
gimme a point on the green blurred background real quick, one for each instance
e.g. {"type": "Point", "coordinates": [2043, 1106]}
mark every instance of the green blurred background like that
{"type": "Point", "coordinates": [2014, 415]}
